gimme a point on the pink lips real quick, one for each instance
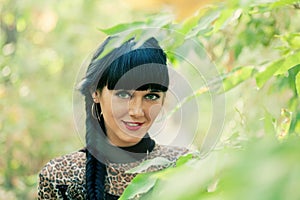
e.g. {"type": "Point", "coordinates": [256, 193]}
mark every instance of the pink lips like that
{"type": "Point", "coordinates": [133, 126]}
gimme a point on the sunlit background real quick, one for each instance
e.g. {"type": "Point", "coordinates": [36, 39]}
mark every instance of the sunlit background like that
{"type": "Point", "coordinates": [44, 44]}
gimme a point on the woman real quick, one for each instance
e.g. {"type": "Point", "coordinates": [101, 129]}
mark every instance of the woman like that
{"type": "Point", "coordinates": [124, 92]}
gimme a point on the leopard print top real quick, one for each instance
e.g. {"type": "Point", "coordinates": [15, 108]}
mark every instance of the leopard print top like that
{"type": "Point", "coordinates": [64, 177]}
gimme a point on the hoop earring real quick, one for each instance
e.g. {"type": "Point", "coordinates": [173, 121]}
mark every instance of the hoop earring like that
{"type": "Point", "coordinates": [93, 111]}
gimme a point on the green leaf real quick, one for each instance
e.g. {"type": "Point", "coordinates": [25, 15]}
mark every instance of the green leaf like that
{"type": "Point", "coordinates": [292, 39]}
{"type": "Point", "coordinates": [297, 83]}
{"type": "Point", "coordinates": [198, 22]}
{"type": "Point", "coordinates": [223, 19]}
{"type": "Point", "coordinates": [278, 67]}
{"type": "Point", "coordinates": [140, 185]}
{"type": "Point", "coordinates": [282, 3]}
{"type": "Point", "coordinates": [289, 62]}
{"type": "Point", "coordinates": [237, 76]}
{"type": "Point", "coordinates": [189, 24]}
{"type": "Point", "coordinates": [204, 24]}
{"type": "Point", "coordinates": [158, 161]}
{"type": "Point", "coordinates": [184, 159]}
{"type": "Point", "coordinates": [122, 27]}
{"type": "Point", "coordinates": [265, 75]}
{"type": "Point", "coordinates": [116, 42]}
{"type": "Point", "coordinates": [160, 21]}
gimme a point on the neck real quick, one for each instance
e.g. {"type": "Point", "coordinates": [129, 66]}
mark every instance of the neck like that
{"type": "Point", "coordinates": [145, 145]}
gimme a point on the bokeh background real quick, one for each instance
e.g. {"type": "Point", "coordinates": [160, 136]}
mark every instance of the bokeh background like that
{"type": "Point", "coordinates": [44, 43]}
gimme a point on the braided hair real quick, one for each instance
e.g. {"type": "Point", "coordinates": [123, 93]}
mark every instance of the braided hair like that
{"type": "Point", "coordinates": [108, 71]}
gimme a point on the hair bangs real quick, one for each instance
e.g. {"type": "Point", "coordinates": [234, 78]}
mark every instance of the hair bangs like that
{"type": "Point", "coordinates": [140, 69]}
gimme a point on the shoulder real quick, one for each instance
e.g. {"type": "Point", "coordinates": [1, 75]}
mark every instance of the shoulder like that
{"type": "Point", "coordinates": [64, 166]}
{"type": "Point", "coordinates": [61, 172]}
{"type": "Point", "coordinates": [118, 177]}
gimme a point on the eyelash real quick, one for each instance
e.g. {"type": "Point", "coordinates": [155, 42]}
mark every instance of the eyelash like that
{"type": "Point", "coordinates": [156, 96]}
{"type": "Point", "coordinates": [150, 96]}
{"type": "Point", "coordinates": [118, 94]}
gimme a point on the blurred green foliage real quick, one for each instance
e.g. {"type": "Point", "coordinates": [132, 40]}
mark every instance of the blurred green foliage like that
{"type": "Point", "coordinates": [254, 44]}
{"type": "Point", "coordinates": [263, 169]}
{"type": "Point", "coordinates": [43, 44]}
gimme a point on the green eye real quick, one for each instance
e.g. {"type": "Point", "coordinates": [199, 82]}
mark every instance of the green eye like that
{"type": "Point", "coordinates": [152, 97]}
{"type": "Point", "coordinates": [123, 95]}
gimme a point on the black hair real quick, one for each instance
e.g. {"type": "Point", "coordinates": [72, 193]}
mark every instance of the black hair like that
{"type": "Point", "coordinates": [125, 67]}
{"type": "Point", "coordinates": [139, 69]}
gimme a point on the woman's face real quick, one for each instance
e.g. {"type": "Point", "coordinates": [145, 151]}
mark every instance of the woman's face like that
{"type": "Point", "coordinates": [128, 114]}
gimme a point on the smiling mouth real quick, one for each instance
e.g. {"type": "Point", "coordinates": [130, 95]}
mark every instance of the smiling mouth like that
{"type": "Point", "coordinates": [133, 126]}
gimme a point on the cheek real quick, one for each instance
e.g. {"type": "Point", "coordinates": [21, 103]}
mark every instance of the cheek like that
{"type": "Point", "coordinates": [154, 110]}
{"type": "Point", "coordinates": [118, 109]}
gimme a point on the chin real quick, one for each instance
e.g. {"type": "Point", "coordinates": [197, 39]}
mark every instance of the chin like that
{"type": "Point", "coordinates": [131, 140]}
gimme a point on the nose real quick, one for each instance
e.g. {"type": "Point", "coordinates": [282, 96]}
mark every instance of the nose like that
{"type": "Point", "coordinates": [136, 107]}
